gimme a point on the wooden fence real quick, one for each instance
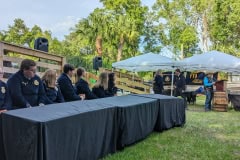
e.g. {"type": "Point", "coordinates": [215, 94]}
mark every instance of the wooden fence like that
{"type": "Point", "coordinates": [129, 82]}
{"type": "Point", "coordinates": [12, 55]}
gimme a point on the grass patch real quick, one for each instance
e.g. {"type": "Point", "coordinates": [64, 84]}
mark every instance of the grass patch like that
{"type": "Point", "coordinates": [205, 136]}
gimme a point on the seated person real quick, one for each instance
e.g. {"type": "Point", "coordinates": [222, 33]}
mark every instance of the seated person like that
{"type": "Point", "coordinates": [25, 87]}
{"type": "Point", "coordinates": [65, 84]}
{"type": "Point", "coordinates": [100, 89]}
{"type": "Point", "coordinates": [82, 85]}
{"type": "Point", "coordinates": [53, 92]}
{"type": "Point", "coordinates": [5, 100]}
{"type": "Point", "coordinates": [112, 89]}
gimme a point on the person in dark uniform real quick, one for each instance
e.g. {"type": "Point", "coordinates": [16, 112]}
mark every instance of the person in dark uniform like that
{"type": "Point", "coordinates": [112, 89]}
{"type": "Point", "coordinates": [208, 86]}
{"type": "Point", "coordinates": [158, 83]}
{"type": "Point", "coordinates": [100, 89]}
{"type": "Point", "coordinates": [53, 92]}
{"type": "Point", "coordinates": [5, 99]}
{"type": "Point", "coordinates": [83, 86]}
{"type": "Point", "coordinates": [65, 84]}
{"type": "Point", "coordinates": [25, 87]}
{"type": "Point", "coordinates": [179, 83]}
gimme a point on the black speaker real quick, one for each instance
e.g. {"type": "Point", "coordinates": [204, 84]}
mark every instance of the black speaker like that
{"type": "Point", "coordinates": [41, 44]}
{"type": "Point", "coordinates": [97, 62]}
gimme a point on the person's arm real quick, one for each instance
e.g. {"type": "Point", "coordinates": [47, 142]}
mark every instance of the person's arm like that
{"type": "Point", "coordinates": [99, 92]}
{"type": "Point", "coordinates": [60, 98]}
{"type": "Point", "coordinates": [42, 97]}
{"type": "Point", "coordinates": [86, 90]}
{"type": "Point", "coordinates": [206, 83]}
{"type": "Point", "coordinates": [7, 100]}
{"type": "Point", "coordinates": [15, 91]}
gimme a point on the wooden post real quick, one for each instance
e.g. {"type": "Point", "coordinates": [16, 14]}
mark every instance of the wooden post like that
{"type": "Point", "coordinates": [1, 54]}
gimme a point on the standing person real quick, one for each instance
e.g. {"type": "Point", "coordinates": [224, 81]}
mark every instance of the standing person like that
{"type": "Point", "coordinates": [158, 82]}
{"type": "Point", "coordinates": [25, 87]}
{"type": "Point", "coordinates": [112, 89]}
{"type": "Point", "coordinates": [53, 92]}
{"type": "Point", "coordinates": [179, 84]}
{"type": "Point", "coordinates": [82, 85]}
{"type": "Point", "coordinates": [5, 99]}
{"type": "Point", "coordinates": [208, 86]}
{"type": "Point", "coordinates": [65, 84]}
{"type": "Point", "coordinates": [100, 89]}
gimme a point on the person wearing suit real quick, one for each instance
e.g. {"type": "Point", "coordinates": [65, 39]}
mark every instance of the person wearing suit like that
{"type": "Point", "coordinates": [26, 88]}
{"type": "Point", "coordinates": [65, 84]}
{"type": "Point", "coordinates": [158, 82]}
{"type": "Point", "coordinates": [82, 85]}
{"type": "Point", "coordinates": [53, 92]}
{"type": "Point", "coordinates": [100, 89]}
{"type": "Point", "coordinates": [5, 99]}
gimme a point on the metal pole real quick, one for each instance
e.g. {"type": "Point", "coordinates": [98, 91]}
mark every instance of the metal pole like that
{"type": "Point", "coordinates": [172, 82]}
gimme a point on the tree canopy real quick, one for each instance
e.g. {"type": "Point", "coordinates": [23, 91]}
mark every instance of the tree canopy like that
{"type": "Point", "coordinates": [123, 28]}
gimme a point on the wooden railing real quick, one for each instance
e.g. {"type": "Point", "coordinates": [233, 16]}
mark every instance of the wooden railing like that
{"type": "Point", "coordinates": [129, 82]}
{"type": "Point", "coordinates": [11, 56]}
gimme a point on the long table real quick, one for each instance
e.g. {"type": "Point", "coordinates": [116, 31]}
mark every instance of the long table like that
{"type": "Point", "coordinates": [171, 111]}
{"type": "Point", "coordinates": [85, 129]}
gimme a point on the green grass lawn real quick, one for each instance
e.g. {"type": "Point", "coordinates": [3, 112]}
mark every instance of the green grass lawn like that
{"type": "Point", "coordinates": [206, 135]}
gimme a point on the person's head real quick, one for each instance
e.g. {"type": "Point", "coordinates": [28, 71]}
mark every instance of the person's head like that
{"type": "Point", "coordinates": [158, 72]}
{"type": "Point", "coordinates": [29, 68]}
{"type": "Point", "coordinates": [49, 77]}
{"type": "Point", "coordinates": [102, 80]}
{"type": "Point", "coordinates": [68, 69]}
{"type": "Point", "coordinates": [209, 74]}
{"type": "Point", "coordinates": [81, 72]}
{"type": "Point", "coordinates": [1, 72]}
{"type": "Point", "coordinates": [177, 72]}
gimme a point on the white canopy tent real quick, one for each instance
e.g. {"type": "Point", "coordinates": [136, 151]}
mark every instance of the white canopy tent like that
{"type": "Point", "coordinates": [211, 61]}
{"type": "Point", "coordinates": [147, 62]}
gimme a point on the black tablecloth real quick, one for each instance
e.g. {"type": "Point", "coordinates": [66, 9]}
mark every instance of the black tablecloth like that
{"type": "Point", "coordinates": [86, 129]}
{"type": "Point", "coordinates": [137, 117]}
{"type": "Point", "coordinates": [171, 111]}
{"type": "Point", "coordinates": [67, 131]}
{"type": "Point", "coordinates": [2, 153]}
{"type": "Point", "coordinates": [235, 100]}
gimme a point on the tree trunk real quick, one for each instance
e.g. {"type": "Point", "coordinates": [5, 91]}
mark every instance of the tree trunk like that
{"type": "Point", "coordinates": [205, 32]}
{"type": "Point", "coordinates": [120, 48]}
{"type": "Point", "coordinates": [99, 45]}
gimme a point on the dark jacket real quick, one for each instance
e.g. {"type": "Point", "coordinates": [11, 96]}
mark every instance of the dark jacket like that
{"type": "Point", "coordinates": [180, 82]}
{"type": "Point", "coordinates": [67, 89]}
{"type": "Point", "coordinates": [26, 92]}
{"type": "Point", "coordinates": [83, 88]}
{"type": "Point", "coordinates": [53, 94]}
{"type": "Point", "coordinates": [112, 89]}
{"type": "Point", "coordinates": [5, 99]}
{"type": "Point", "coordinates": [158, 84]}
{"type": "Point", "coordinates": [100, 92]}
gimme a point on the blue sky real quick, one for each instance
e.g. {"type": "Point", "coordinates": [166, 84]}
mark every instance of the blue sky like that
{"type": "Point", "coordinates": [54, 15]}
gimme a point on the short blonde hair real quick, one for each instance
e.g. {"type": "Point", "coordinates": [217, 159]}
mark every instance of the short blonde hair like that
{"type": "Point", "coordinates": [49, 77]}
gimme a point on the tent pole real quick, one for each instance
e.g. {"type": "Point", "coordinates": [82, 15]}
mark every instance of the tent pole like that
{"type": "Point", "coordinates": [172, 82]}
